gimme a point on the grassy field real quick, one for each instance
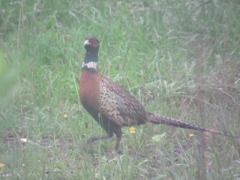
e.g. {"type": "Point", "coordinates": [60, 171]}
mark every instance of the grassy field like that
{"type": "Point", "coordinates": [180, 58]}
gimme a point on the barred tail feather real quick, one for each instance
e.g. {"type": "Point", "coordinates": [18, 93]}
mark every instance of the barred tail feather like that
{"type": "Point", "coordinates": [158, 119]}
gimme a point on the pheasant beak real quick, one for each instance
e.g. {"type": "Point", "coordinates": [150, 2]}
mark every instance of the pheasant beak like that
{"type": "Point", "coordinates": [86, 42]}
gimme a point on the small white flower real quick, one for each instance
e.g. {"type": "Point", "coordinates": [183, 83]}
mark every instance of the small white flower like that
{"type": "Point", "coordinates": [24, 140]}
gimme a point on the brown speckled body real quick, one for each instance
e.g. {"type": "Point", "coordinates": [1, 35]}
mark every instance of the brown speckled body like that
{"type": "Point", "coordinates": [89, 91]}
{"type": "Point", "coordinates": [110, 105]}
{"type": "Point", "coordinates": [119, 106]}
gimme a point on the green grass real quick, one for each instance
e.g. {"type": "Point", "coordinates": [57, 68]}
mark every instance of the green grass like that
{"type": "Point", "coordinates": [181, 59]}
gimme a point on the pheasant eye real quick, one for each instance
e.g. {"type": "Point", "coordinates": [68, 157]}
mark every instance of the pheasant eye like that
{"type": "Point", "coordinates": [95, 45]}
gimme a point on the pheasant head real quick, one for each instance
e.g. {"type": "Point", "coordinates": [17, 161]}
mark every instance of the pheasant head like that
{"type": "Point", "coordinates": [91, 45]}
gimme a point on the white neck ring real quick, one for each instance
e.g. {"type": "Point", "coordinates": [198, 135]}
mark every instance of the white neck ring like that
{"type": "Point", "coordinates": [90, 65]}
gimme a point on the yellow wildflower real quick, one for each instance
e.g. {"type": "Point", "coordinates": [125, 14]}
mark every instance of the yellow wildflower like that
{"type": "Point", "coordinates": [132, 130]}
{"type": "Point", "coordinates": [65, 116]}
{"type": "Point", "coordinates": [191, 135]}
{"type": "Point", "coordinates": [2, 165]}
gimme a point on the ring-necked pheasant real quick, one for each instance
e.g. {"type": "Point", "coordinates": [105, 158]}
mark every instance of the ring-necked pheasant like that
{"type": "Point", "coordinates": [113, 107]}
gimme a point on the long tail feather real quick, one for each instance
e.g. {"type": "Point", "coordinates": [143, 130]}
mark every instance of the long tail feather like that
{"type": "Point", "coordinates": [158, 119]}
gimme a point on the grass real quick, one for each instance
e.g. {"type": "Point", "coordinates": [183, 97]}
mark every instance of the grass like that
{"type": "Point", "coordinates": [181, 59]}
